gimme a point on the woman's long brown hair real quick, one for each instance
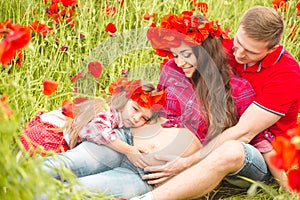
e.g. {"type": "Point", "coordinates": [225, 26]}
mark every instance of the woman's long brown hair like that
{"type": "Point", "coordinates": [211, 82]}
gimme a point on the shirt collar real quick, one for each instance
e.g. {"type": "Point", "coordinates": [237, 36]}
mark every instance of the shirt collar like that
{"type": "Point", "coordinates": [270, 59]}
{"type": "Point", "coordinates": [267, 61]}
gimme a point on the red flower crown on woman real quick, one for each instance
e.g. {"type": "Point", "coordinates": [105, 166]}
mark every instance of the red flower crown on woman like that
{"type": "Point", "coordinates": [135, 91]}
{"type": "Point", "coordinates": [184, 27]}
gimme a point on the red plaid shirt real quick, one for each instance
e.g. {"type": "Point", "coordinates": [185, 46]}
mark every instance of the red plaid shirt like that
{"type": "Point", "coordinates": [182, 108]}
{"type": "Point", "coordinates": [100, 129]}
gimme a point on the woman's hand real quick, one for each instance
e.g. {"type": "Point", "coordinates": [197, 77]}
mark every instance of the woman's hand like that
{"type": "Point", "coordinates": [159, 174]}
{"type": "Point", "coordinates": [136, 157]}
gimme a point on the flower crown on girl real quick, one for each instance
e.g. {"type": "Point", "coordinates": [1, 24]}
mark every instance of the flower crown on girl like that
{"type": "Point", "coordinates": [135, 91]}
{"type": "Point", "coordinates": [184, 27]}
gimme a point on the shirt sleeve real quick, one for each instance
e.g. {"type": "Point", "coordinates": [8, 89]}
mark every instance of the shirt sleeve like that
{"type": "Point", "coordinates": [280, 92]}
{"type": "Point", "coordinates": [100, 129]}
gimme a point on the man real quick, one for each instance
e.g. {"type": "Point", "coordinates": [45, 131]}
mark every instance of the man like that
{"type": "Point", "coordinates": [255, 54]}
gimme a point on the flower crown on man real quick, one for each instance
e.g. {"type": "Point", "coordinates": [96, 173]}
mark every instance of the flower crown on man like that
{"type": "Point", "coordinates": [184, 27]}
{"type": "Point", "coordinates": [155, 100]}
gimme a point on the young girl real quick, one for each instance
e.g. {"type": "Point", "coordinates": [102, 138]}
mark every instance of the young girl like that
{"type": "Point", "coordinates": [133, 104]}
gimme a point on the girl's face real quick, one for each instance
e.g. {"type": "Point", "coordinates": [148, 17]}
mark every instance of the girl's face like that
{"type": "Point", "coordinates": [185, 58]}
{"type": "Point", "coordinates": [134, 115]}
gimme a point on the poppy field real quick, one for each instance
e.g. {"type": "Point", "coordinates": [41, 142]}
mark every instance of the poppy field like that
{"type": "Point", "coordinates": [54, 53]}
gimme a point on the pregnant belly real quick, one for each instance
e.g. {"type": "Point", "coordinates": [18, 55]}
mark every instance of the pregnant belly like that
{"type": "Point", "coordinates": [165, 141]}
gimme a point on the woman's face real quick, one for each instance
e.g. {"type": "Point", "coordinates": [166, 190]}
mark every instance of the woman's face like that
{"type": "Point", "coordinates": [185, 58]}
{"type": "Point", "coordinates": [134, 116]}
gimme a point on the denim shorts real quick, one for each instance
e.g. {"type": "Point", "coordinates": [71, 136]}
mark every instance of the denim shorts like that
{"type": "Point", "coordinates": [254, 168]}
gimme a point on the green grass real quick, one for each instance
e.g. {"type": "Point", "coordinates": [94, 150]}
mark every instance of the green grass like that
{"type": "Point", "coordinates": [21, 177]}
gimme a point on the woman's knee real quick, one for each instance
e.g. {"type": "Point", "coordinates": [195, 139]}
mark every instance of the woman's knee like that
{"type": "Point", "coordinates": [232, 154]}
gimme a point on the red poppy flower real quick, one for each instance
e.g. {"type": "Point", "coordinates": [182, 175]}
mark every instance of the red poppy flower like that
{"type": "Point", "coordinates": [135, 91]}
{"type": "Point", "coordinates": [55, 1]}
{"type": "Point", "coordinates": [134, 86]}
{"type": "Point", "coordinates": [110, 27]}
{"type": "Point", "coordinates": [78, 76]}
{"type": "Point", "coordinates": [298, 7]}
{"type": "Point", "coordinates": [280, 4]}
{"type": "Point", "coordinates": [5, 109]}
{"type": "Point", "coordinates": [95, 68]}
{"type": "Point", "coordinates": [67, 108]}
{"type": "Point", "coordinates": [286, 153]}
{"type": "Point", "coordinates": [201, 6]}
{"type": "Point", "coordinates": [287, 147]}
{"type": "Point", "coordinates": [145, 99]}
{"type": "Point", "coordinates": [53, 9]}
{"type": "Point", "coordinates": [15, 40]}
{"type": "Point", "coordinates": [148, 16]}
{"type": "Point", "coordinates": [183, 27]}
{"type": "Point", "coordinates": [71, 22]}
{"type": "Point", "coordinates": [117, 86]}
{"type": "Point", "coordinates": [50, 87]}
{"type": "Point", "coordinates": [109, 9]}
{"type": "Point", "coordinates": [294, 179]}
{"type": "Point", "coordinates": [67, 3]}
{"type": "Point", "coordinates": [40, 28]}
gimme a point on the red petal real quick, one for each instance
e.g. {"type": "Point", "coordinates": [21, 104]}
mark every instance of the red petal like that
{"type": "Point", "coordinates": [78, 76]}
{"type": "Point", "coordinates": [110, 27]}
{"type": "Point", "coordinates": [40, 28]}
{"type": "Point", "coordinates": [7, 52]}
{"type": "Point", "coordinates": [49, 87]}
{"type": "Point", "coordinates": [146, 16]}
{"type": "Point", "coordinates": [294, 180]}
{"type": "Point", "coordinates": [67, 108]}
{"type": "Point", "coordinates": [19, 38]}
{"type": "Point", "coordinates": [68, 2]}
{"type": "Point", "coordinates": [95, 68]}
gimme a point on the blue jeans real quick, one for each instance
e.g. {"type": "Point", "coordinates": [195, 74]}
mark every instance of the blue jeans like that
{"type": "Point", "coordinates": [100, 168]}
{"type": "Point", "coordinates": [254, 168]}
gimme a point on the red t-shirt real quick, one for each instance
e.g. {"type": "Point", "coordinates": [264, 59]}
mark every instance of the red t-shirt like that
{"type": "Point", "coordinates": [276, 81]}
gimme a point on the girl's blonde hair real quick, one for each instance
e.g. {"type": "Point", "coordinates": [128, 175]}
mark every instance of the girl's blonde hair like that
{"type": "Point", "coordinates": [87, 110]}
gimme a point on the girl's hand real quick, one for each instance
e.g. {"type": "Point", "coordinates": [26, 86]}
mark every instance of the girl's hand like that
{"type": "Point", "coordinates": [161, 173]}
{"type": "Point", "coordinates": [136, 157]}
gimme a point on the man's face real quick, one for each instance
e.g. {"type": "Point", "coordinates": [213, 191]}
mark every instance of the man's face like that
{"type": "Point", "coordinates": [249, 51]}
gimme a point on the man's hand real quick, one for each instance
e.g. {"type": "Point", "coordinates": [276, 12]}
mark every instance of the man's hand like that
{"type": "Point", "coordinates": [161, 173]}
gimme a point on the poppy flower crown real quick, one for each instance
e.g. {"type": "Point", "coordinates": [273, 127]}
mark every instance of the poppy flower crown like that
{"type": "Point", "coordinates": [184, 27]}
{"type": "Point", "coordinates": [135, 91]}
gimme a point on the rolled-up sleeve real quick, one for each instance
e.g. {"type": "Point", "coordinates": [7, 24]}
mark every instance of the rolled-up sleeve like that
{"type": "Point", "coordinates": [100, 129]}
